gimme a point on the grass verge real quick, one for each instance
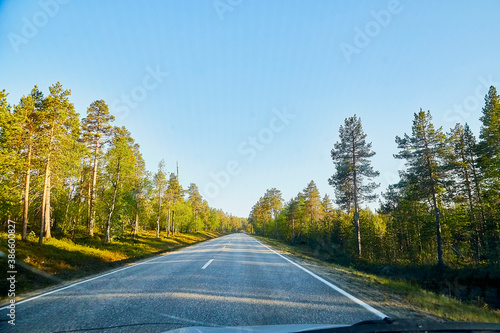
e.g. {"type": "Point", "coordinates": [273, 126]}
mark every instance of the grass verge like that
{"type": "Point", "coordinates": [59, 260]}
{"type": "Point", "coordinates": [442, 306]}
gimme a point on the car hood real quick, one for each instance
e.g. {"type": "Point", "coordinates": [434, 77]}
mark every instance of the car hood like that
{"type": "Point", "coordinates": [254, 329]}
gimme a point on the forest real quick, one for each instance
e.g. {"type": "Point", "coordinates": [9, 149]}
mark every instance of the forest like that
{"type": "Point", "coordinates": [62, 176]}
{"type": "Point", "coordinates": [68, 176]}
{"type": "Point", "coordinates": [443, 212]}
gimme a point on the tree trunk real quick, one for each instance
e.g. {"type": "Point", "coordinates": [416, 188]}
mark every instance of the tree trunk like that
{"type": "Point", "coordinates": [356, 208]}
{"type": "Point", "coordinates": [158, 228]}
{"type": "Point", "coordinates": [168, 223]}
{"type": "Point", "coordinates": [159, 214]}
{"type": "Point", "coordinates": [42, 220]}
{"type": "Point", "coordinates": [79, 208]}
{"type": "Point", "coordinates": [27, 191]}
{"type": "Point", "coordinates": [136, 222]}
{"type": "Point", "coordinates": [47, 209]}
{"type": "Point", "coordinates": [481, 221]}
{"type": "Point", "coordinates": [88, 208]}
{"type": "Point", "coordinates": [92, 192]}
{"type": "Point", "coordinates": [470, 199]}
{"type": "Point", "coordinates": [46, 195]}
{"type": "Point", "coordinates": [435, 204]}
{"type": "Point", "coordinates": [195, 223]}
{"type": "Point", "coordinates": [275, 226]}
{"type": "Point", "coordinates": [112, 208]}
{"type": "Point", "coordinates": [66, 211]}
{"type": "Point", "coordinates": [73, 228]}
{"type": "Point", "coordinates": [438, 231]}
{"type": "Point", "coordinates": [173, 223]}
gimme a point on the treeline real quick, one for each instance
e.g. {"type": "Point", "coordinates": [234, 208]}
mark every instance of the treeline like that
{"type": "Point", "coordinates": [445, 209]}
{"type": "Point", "coordinates": [63, 175]}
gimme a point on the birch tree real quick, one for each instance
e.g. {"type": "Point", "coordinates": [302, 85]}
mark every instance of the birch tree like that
{"type": "Point", "coordinates": [121, 161]}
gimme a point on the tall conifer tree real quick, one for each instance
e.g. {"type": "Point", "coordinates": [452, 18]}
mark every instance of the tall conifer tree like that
{"type": "Point", "coordinates": [425, 154]}
{"type": "Point", "coordinates": [351, 157]}
{"type": "Point", "coordinates": [97, 131]}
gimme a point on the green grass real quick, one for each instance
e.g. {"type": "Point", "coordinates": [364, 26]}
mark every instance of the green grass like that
{"type": "Point", "coordinates": [442, 306]}
{"type": "Point", "coordinates": [63, 259]}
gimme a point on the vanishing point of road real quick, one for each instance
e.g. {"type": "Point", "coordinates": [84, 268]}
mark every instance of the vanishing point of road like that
{"type": "Point", "coordinates": [229, 281]}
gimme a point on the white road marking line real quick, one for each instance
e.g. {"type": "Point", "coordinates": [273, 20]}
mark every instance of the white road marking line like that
{"type": "Point", "coordinates": [208, 263]}
{"type": "Point", "coordinates": [106, 274]}
{"type": "Point", "coordinates": [331, 285]}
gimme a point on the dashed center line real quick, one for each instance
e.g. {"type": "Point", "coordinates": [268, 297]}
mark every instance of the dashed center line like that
{"type": "Point", "coordinates": [208, 263]}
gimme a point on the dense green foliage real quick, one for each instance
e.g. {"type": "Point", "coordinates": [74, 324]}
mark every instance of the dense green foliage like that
{"type": "Point", "coordinates": [67, 177]}
{"type": "Point", "coordinates": [444, 210]}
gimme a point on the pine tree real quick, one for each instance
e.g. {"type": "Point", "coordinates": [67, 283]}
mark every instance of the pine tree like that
{"type": "Point", "coordinates": [489, 162]}
{"type": "Point", "coordinates": [10, 162]}
{"type": "Point", "coordinates": [196, 202]}
{"type": "Point", "coordinates": [175, 194]}
{"type": "Point", "coordinates": [425, 153]}
{"type": "Point", "coordinates": [61, 127]}
{"type": "Point", "coordinates": [96, 133]}
{"type": "Point", "coordinates": [328, 211]}
{"type": "Point", "coordinates": [351, 157]}
{"type": "Point", "coordinates": [297, 215]}
{"type": "Point", "coordinates": [274, 202]}
{"type": "Point", "coordinates": [205, 213]}
{"type": "Point", "coordinates": [160, 182]}
{"type": "Point", "coordinates": [264, 210]}
{"type": "Point", "coordinates": [313, 207]}
{"type": "Point", "coordinates": [140, 189]}
{"type": "Point", "coordinates": [26, 113]}
{"type": "Point", "coordinates": [261, 214]}
{"type": "Point", "coordinates": [463, 162]}
{"type": "Point", "coordinates": [489, 146]}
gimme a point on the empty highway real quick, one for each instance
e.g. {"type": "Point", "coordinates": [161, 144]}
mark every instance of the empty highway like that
{"type": "Point", "coordinates": [229, 281]}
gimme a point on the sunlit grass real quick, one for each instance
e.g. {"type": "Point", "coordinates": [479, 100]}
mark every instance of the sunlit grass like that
{"type": "Point", "coordinates": [446, 307]}
{"type": "Point", "coordinates": [451, 308]}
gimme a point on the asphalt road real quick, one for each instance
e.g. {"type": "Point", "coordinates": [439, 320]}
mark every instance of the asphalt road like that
{"type": "Point", "coordinates": [229, 281]}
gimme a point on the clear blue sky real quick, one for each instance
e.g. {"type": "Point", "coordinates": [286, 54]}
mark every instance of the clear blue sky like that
{"type": "Point", "coordinates": [233, 65]}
